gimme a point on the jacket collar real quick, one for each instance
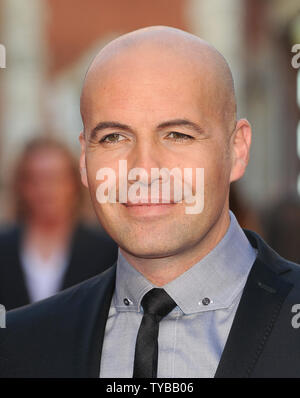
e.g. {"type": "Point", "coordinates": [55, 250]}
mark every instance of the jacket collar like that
{"type": "Point", "coordinates": [263, 296]}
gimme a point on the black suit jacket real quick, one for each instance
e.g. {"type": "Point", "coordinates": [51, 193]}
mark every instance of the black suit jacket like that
{"type": "Point", "coordinates": [91, 252]}
{"type": "Point", "coordinates": [62, 336]}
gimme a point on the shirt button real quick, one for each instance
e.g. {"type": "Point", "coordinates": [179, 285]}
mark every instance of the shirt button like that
{"type": "Point", "coordinates": [205, 301]}
{"type": "Point", "coordinates": [126, 301]}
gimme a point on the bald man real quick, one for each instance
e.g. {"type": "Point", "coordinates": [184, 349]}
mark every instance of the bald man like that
{"type": "Point", "coordinates": [191, 295]}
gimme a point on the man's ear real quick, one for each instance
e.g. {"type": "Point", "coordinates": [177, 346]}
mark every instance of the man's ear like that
{"type": "Point", "coordinates": [82, 162]}
{"type": "Point", "coordinates": [240, 145]}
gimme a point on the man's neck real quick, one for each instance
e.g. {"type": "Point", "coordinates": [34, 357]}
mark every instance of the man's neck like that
{"type": "Point", "coordinates": [163, 270]}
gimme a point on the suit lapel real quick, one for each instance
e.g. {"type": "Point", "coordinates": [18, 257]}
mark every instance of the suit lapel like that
{"type": "Point", "coordinates": [257, 312]}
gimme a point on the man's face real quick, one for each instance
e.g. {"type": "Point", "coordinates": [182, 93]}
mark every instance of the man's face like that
{"type": "Point", "coordinates": [144, 98]}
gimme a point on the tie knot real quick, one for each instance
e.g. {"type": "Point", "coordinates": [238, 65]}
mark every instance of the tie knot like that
{"type": "Point", "coordinates": [157, 302]}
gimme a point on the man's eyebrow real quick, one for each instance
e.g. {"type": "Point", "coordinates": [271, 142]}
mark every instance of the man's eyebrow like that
{"type": "Point", "coordinates": [180, 122]}
{"type": "Point", "coordinates": [170, 123]}
{"type": "Point", "coordinates": [109, 124]}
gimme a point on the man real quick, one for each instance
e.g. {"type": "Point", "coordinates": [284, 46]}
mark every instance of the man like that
{"type": "Point", "coordinates": [191, 295]}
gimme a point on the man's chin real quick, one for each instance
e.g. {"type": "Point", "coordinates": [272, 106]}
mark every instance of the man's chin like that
{"type": "Point", "coordinates": [151, 250]}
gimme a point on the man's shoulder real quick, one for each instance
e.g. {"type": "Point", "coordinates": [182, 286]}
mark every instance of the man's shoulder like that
{"type": "Point", "coordinates": [285, 269]}
{"type": "Point", "coordinates": [50, 337]}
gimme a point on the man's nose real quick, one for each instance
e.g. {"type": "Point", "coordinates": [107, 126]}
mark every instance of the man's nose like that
{"type": "Point", "coordinates": [146, 155]}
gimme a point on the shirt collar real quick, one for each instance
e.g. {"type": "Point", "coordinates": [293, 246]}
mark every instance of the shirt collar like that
{"type": "Point", "coordinates": [212, 283]}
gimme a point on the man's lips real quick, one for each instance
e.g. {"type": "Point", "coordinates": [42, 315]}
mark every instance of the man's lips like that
{"type": "Point", "coordinates": [130, 204]}
{"type": "Point", "coordinates": [148, 210]}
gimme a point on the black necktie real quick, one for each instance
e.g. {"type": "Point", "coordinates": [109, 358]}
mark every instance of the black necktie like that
{"type": "Point", "coordinates": [156, 305]}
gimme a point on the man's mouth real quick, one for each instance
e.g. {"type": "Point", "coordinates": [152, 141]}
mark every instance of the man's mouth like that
{"type": "Point", "coordinates": [130, 204]}
{"type": "Point", "coordinates": [149, 209]}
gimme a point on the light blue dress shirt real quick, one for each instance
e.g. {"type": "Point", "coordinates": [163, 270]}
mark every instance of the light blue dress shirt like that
{"type": "Point", "coordinates": [193, 335]}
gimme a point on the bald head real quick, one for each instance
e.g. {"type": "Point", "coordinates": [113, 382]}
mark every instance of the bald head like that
{"type": "Point", "coordinates": [159, 50]}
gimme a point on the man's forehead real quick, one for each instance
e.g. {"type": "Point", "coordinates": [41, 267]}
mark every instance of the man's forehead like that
{"type": "Point", "coordinates": [148, 74]}
{"type": "Point", "coordinates": [147, 81]}
{"type": "Point", "coordinates": [147, 99]}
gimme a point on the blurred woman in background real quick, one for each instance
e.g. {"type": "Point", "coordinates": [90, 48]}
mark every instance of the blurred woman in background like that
{"type": "Point", "coordinates": [49, 249]}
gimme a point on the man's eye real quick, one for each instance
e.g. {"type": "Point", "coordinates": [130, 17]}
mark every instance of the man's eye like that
{"type": "Point", "coordinates": [179, 136]}
{"type": "Point", "coordinates": [112, 138]}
